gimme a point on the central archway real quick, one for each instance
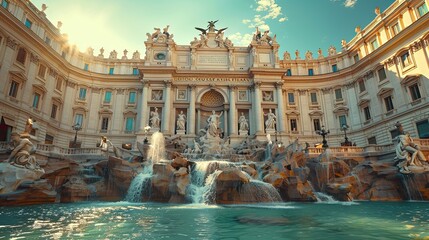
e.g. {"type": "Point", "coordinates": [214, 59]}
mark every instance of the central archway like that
{"type": "Point", "coordinates": [210, 101]}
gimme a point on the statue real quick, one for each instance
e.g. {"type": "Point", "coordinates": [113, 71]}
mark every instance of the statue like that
{"type": "Point", "coordinates": [104, 145]}
{"type": "Point", "coordinates": [344, 44]}
{"type": "Point", "coordinates": [408, 151]}
{"type": "Point", "coordinates": [320, 54]}
{"type": "Point", "coordinates": [181, 121]}
{"type": "Point", "coordinates": [28, 127]}
{"type": "Point", "coordinates": [101, 52]}
{"type": "Point", "coordinates": [286, 55]}
{"type": "Point", "coordinates": [243, 123]}
{"type": "Point", "coordinates": [268, 96]}
{"type": "Point", "coordinates": [90, 51]}
{"type": "Point", "coordinates": [308, 55]}
{"type": "Point", "coordinates": [332, 51]}
{"type": "Point", "coordinates": [297, 57]}
{"type": "Point", "coordinates": [113, 54]}
{"type": "Point", "coordinates": [136, 55]}
{"type": "Point", "coordinates": [257, 35]}
{"type": "Point", "coordinates": [271, 120]}
{"type": "Point", "coordinates": [228, 43]}
{"type": "Point", "coordinates": [125, 55]}
{"type": "Point", "coordinates": [154, 118]}
{"type": "Point", "coordinates": [197, 147]}
{"type": "Point", "coordinates": [213, 124]}
{"type": "Point", "coordinates": [165, 31]}
{"type": "Point", "coordinates": [21, 155]}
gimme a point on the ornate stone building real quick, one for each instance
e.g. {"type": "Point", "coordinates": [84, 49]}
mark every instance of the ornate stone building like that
{"type": "Point", "coordinates": [378, 78]}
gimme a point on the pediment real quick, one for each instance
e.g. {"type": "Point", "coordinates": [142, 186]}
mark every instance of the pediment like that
{"type": "Point", "coordinates": [383, 91]}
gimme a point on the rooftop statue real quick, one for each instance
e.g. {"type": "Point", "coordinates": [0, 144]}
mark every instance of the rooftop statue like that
{"type": "Point", "coordinates": [211, 28]}
{"type": "Point", "coordinates": [160, 37]}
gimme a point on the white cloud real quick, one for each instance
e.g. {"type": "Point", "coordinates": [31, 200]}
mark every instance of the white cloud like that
{"type": "Point", "coordinates": [240, 39]}
{"type": "Point", "coordinates": [246, 21]}
{"type": "Point", "coordinates": [282, 19]}
{"type": "Point", "coordinates": [350, 3]}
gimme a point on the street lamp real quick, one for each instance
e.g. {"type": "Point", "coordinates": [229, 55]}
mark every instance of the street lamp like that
{"type": "Point", "coordinates": [76, 128]}
{"type": "Point", "coordinates": [323, 133]}
{"type": "Point", "coordinates": [346, 140]}
{"type": "Point", "coordinates": [146, 130]}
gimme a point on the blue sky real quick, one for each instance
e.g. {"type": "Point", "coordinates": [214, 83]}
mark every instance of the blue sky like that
{"type": "Point", "coordinates": [298, 24]}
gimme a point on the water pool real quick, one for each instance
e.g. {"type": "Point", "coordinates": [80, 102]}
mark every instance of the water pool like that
{"type": "Point", "coordinates": [124, 220]}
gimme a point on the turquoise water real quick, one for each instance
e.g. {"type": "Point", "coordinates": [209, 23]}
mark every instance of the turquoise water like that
{"type": "Point", "coordinates": [123, 220]}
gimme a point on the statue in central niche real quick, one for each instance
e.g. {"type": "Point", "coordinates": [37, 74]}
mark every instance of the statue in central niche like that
{"type": "Point", "coordinates": [213, 124]}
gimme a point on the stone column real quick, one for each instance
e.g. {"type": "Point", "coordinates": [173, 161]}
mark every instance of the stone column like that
{"type": "Point", "coordinates": [280, 107]}
{"type": "Point", "coordinates": [191, 111]}
{"type": "Point", "coordinates": [198, 119]}
{"type": "Point", "coordinates": [232, 111]}
{"type": "Point", "coordinates": [143, 108]}
{"type": "Point", "coordinates": [258, 109]}
{"type": "Point", "coordinates": [166, 110]}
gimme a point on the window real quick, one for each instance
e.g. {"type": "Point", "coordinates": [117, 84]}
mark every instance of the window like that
{"type": "Point", "coordinates": [104, 123]}
{"type": "Point", "coordinates": [395, 29]}
{"type": "Point", "coordinates": [316, 124]}
{"type": "Point", "coordinates": [129, 124]}
{"type": "Point", "coordinates": [22, 55]}
{"type": "Point", "coordinates": [406, 59]}
{"type": "Point", "coordinates": [78, 119]}
{"type": "Point", "coordinates": [289, 72]}
{"type": "Point", "coordinates": [36, 99]}
{"type": "Point", "coordinates": [111, 71]}
{"type": "Point", "coordinates": [338, 94]}
{"type": "Point", "coordinates": [381, 74]}
{"type": "Point", "coordinates": [343, 120]}
{"type": "Point", "coordinates": [356, 57]}
{"type": "Point", "coordinates": [59, 84]}
{"type": "Point", "coordinates": [86, 66]}
{"type": "Point", "coordinates": [310, 72]}
{"type": "Point", "coordinates": [48, 40]}
{"type": "Point", "coordinates": [334, 68]}
{"type": "Point", "coordinates": [367, 113]}
{"type": "Point", "coordinates": [394, 133]}
{"type": "Point", "coordinates": [132, 98]}
{"type": "Point", "coordinates": [54, 111]}
{"type": "Point", "coordinates": [422, 9]}
{"type": "Point", "coordinates": [5, 4]}
{"type": "Point", "coordinates": [13, 90]}
{"type": "Point", "coordinates": [423, 129]}
{"type": "Point", "coordinates": [362, 87]}
{"type": "Point", "coordinates": [388, 103]}
{"type": "Point", "coordinates": [372, 140]}
{"type": "Point", "coordinates": [49, 139]}
{"type": "Point", "coordinates": [42, 71]}
{"type": "Point", "coordinates": [107, 96]}
{"type": "Point", "coordinates": [293, 125]}
{"type": "Point", "coordinates": [291, 98]}
{"type": "Point", "coordinates": [28, 23]}
{"type": "Point", "coordinates": [135, 71]}
{"type": "Point", "coordinates": [374, 44]}
{"type": "Point", "coordinates": [415, 92]}
{"type": "Point", "coordinates": [82, 94]}
{"type": "Point", "coordinates": [313, 97]}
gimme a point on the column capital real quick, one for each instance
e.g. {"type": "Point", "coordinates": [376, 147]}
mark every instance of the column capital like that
{"type": "Point", "coordinates": [145, 83]}
{"type": "Point", "coordinates": [192, 86]}
{"type": "Point", "coordinates": [279, 84]}
{"type": "Point", "coordinates": [11, 43]}
{"type": "Point", "coordinates": [232, 87]}
{"type": "Point", "coordinates": [257, 84]}
{"type": "Point", "coordinates": [167, 83]}
{"type": "Point", "coordinates": [34, 58]}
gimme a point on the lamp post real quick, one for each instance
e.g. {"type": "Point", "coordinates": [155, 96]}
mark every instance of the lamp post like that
{"type": "Point", "coordinates": [323, 133]}
{"type": "Point", "coordinates": [146, 130]}
{"type": "Point", "coordinates": [346, 140]}
{"type": "Point", "coordinates": [76, 128]}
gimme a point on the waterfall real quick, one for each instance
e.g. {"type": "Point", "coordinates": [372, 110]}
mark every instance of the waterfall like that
{"type": "Point", "coordinates": [258, 191]}
{"type": "Point", "coordinates": [140, 185]}
{"type": "Point", "coordinates": [157, 148]}
{"type": "Point", "coordinates": [411, 187]}
{"type": "Point", "coordinates": [323, 197]}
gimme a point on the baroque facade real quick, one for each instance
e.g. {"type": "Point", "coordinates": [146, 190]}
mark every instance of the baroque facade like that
{"type": "Point", "coordinates": [378, 78]}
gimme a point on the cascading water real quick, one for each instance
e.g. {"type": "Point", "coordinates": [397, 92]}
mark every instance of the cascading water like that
{"type": "Point", "coordinates": [157, 148]}
{"type": "Point", "coordinates": [258, 191]}
{"type": "Point", "coordinates": [140, 185]}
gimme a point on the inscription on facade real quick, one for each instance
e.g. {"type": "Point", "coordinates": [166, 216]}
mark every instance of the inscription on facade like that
{"type": "Point", "coordinates": [212, 59]}
{"type": "Point", "coordinates": [210, 79]}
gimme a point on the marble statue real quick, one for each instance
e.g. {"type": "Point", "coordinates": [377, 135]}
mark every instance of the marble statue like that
{"type": "Point", "coordinates": [113, 54]}
{"type": "Point", "coordinates": [308, 55]}
{"type": "Point", "coordinates": [22, 153]}
{"type": "Point", "coordinates": [228, 43]}
{"type": "Point", "coordinates": [213, 124]}
{"type": "Point", "coordinates": [286, 55]}
{"type": "Point", "coordinates": [257, 35]}
{"type": "Point", "coordinates": [319, 53]}
{"type": "Point", "coordinates": [136, 55]}
{"type": "Point", "coordinates": [408, 152]}
{"type": "Point", "coordinates": [270, 123]}
{"type": "Point", "coordinates": [181, 121]}
{"type": "Point", "coordinates": [243, 123]}
{"type": "Point", "coordinates": [154, 118]}
{"type": "Point", "coordinates": [28, 127]}
{"type": "Point", "coordinates": [101, 52]}
{"type": "Point", "coordinates": [90, 51]}
{"type": "Point", "coordinates": [104, 145]}
{"type": "Point", "coordinates": [125, 55]}
{"type": "Point", "coordinates": [332, 51]}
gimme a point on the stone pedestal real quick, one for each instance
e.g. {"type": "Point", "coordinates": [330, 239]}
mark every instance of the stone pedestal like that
{"type": "Point", "coordinates": [243, 133]}
{"type": "Point", "coordinates": [180, 132]}
{"type": "Point", "coordinates": [270, 131]}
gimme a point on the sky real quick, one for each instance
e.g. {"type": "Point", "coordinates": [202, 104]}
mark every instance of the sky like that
{"type": "Point", "coordinates": [298, 24]}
